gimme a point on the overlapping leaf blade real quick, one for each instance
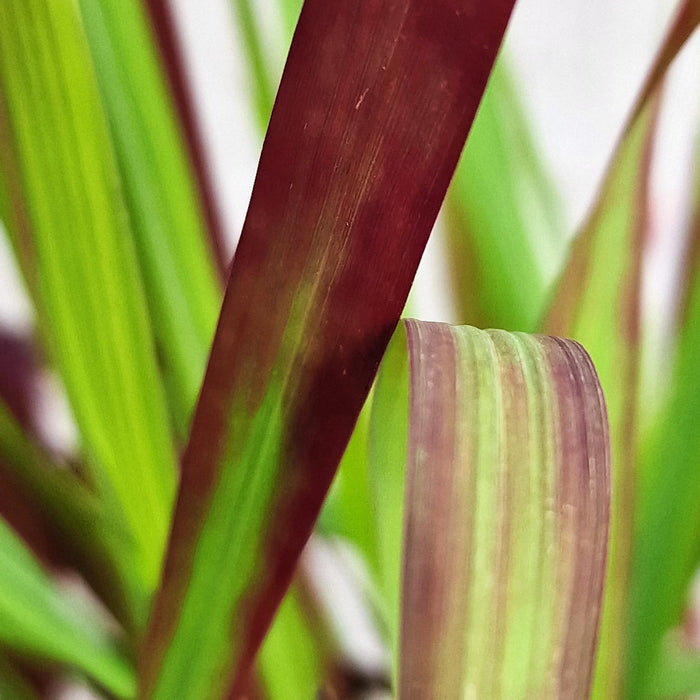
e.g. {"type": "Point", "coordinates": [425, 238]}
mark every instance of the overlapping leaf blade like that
{"type": "Point", "coordinates": [80, 533]}
{"type": "Point", "coordinates": [36, 619]}
{"type": "Point", "coordinates": [597, 302]}
{"type": "Point", "coordinates": [504, 222]}
{"type": "Point", "coordinates": [666, 554]}
{"type": "Point", "coordinates": [373, 109]}
{"type": "Point", "coordinates": [87, 274]}
{"type": "Point", "coordinates": [502, 440]}
{"type": "Point", "coordinates": [291, 660]}
{"type": "Point", "coordinates": [169, 227]}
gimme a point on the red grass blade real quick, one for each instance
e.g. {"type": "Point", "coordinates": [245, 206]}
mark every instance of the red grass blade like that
{"type": "Point", "coordinates": [373, 110]}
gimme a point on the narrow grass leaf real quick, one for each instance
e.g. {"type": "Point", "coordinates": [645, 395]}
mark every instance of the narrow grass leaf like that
{"type": "Point", "coordinates": [72, 519]}
{"type": "Point", "coordinates": [291, 660]}
{"type": "Point", "coordinates": [262, 87]}
{"type": "Point", "coordinates": [172, 57]}
{"type": "Point", "coordinates": [347, 511]}
{"type": "Point", "coordinates": [597, 302]}
{"type": "Point", "coordinates": [504, 220]}
{"type": "Point", "coordinates": [87, 270]}
{"type": "Point", "coordinates": [666, 555]}
{"type": "Point", "coordinates": [38, 620]}
{"type": "Point", "coordinates": [179, 275]}
{"type": "Point", "coordinates": [505, 513]}
{"type": "Point", "coordinates": [373, 109]}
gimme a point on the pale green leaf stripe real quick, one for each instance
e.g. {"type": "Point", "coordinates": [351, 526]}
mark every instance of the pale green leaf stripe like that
{"type": "Point", "coordinates": [388, 434]}
{"type": "Point", "coordinates": [179, 275]}
{"type": "Point", "coordinates": [88, 274]}
{"type": "Point", "coordinates": [37, 619]}
{"type": "Point", "coordinates": [505, 511]}
{"type": "Point", "coordinates": [504, 218]}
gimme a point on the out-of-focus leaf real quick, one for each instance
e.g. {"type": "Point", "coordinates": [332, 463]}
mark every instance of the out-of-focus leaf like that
{"type": "Point", "coordinates": [668, 523]}
{"type": "Point", "coordinates": [372, 112]}
{"type": "Point", "coordinates": [502, 442]}
{"type": "Point", "coordinates": [87, 269]}
{"type": "Point", "coordinates": [13, 212]}
{"type": "Point", "coordinates": [164, 26]}
{"type": "Point", "coordinates": [19, 370]}
{"type": "Point", "coordinates": [18, 395]}
{"type": "Point", "coordinates": [290, 10]}
{"type": "Point", "coordinates": [12, 685]}
{"type": "Point", "coordinates": [597, 302]}
{"type": "Point", "coordinates": [180, 279]}
{"type": "Point", "coordinates": [70, 516]}
{"type": "Point", "coordinates": [291, 660]}
{"type": "Point", "coordinates": [347, 511]}
{"type": "Point", "coordinates": [38, 620]}
{"type": "Point", "coordinates": [505, 225]}
{"type": "Point", "coordinates": [262, 87]}
{"type": "Point", "coordinates": [675, 674]}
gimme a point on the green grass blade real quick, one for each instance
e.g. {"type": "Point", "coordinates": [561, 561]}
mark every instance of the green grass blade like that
{"type": "Point", "coordinates": [162, 19]}
{"type": "Point", "coordinates": [667, 547]}
{"type": "Point", "coordinates": [59, 502]}
{"type": "Point", "coordinates": [597, 303]}
{"type": "Point", "coordinates": [263, 89]}
{"type": "Point", "coordinates": [505, 224]}
{"type": "Point", "coordinates": [179, 276]}
{"type": "Point", "coordinates": [372, 112]}
{"type": "Point", "coordinates": [501, 441]}
{"type": "Point", "coordinates": [37, 620]}
{"type": "Point", "coordinates": [291, 660]}
{"type": "Point", "coordinates": [87, 269]}
{"type": "Point", "coordinates": [347, 511]}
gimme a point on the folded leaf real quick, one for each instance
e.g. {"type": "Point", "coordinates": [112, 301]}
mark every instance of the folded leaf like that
{"type": "Point", "coordinates": [503, 442]}
{"type": "Point", "coordinates": [372, 112]}
{"type": "Point", "coordinates": [38, 620]}
{"type": "Point", "coordinates": [169, 228]}
{"type": "Point", "coordinates": [86, 268]}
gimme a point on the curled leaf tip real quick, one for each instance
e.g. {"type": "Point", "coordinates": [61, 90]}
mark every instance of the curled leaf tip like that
{"type": "Point", "coordinates": [506, 510]}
